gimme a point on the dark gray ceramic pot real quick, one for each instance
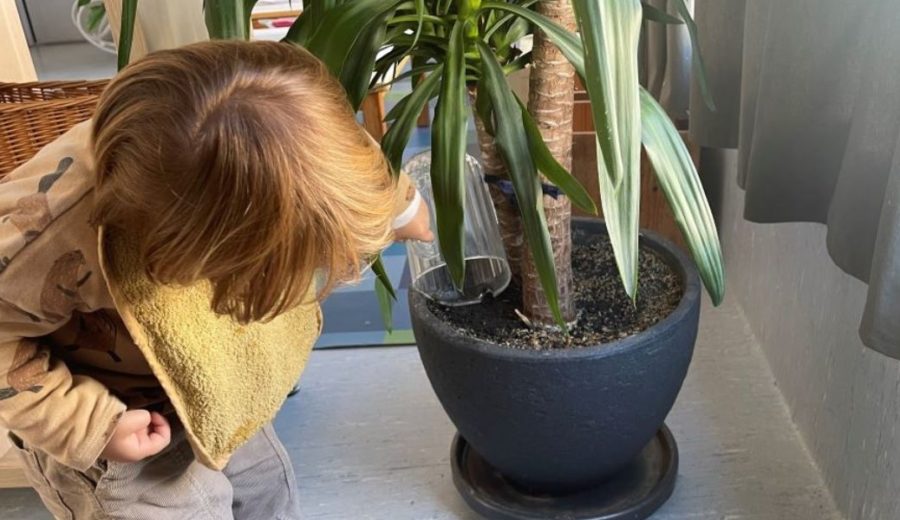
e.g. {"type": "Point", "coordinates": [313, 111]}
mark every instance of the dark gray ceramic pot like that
{"type": "Point", "coordinates": [563, 419]}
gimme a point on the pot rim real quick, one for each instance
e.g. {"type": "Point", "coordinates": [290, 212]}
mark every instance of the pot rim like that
{"type": "Point", "coordinates": [670, 253]}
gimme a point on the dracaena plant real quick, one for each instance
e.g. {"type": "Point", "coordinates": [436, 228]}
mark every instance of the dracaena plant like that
{"type": "Point", "coordinates": [461, 52]}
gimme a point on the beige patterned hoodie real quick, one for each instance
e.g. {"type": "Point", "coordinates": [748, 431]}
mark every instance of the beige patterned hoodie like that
{"type": "Point", "coordinates": [68, 364]}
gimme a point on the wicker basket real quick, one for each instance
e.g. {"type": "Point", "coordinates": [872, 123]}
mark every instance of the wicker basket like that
{"type": "Point", "coordinates": [34, 114]}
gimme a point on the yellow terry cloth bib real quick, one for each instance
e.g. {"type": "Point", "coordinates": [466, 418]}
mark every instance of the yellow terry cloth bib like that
{"type": "Point", "coordinates": [225, 380]}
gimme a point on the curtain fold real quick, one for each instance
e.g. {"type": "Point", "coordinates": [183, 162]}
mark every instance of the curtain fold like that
{"type": "Point", "coordinates": [809, 93]}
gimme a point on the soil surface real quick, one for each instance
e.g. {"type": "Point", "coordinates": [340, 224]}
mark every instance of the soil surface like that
{"type": "Point", "coordinates": [605, 313]}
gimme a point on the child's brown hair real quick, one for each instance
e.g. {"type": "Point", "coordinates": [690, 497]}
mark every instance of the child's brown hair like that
{"type": "Point", "coordinates": [241, 163]}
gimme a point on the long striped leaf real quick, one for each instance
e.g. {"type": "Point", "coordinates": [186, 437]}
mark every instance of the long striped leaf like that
{"type": "Point", "coordinates": [610, 31]}
{"type": "Point", "coordinates": [555, 172]}
{"type": "Point", "coordinates": [356, 73]}
{"type": "Point", "coordinates": [566, 41]}
{"type": "Point", "coordinates": [310, 18]}
{"type": "Point", "coordinates": [483, 110]}
{"type": "Point", "coordinates": [385, 304]}
{"type": "Point", "coordinates": [341, 28]}
{"type": "Point", "coordinates": [495, 25]}
{"type": "Point", "coordinates": [384, 291]}
{"type": "Point", "coordinates": [573, 49]}
{"type": "Point", "coordinates": [448, 149]}
{"type": "Point", "coordinates": [679, 181]}
{"type": "Point", "coordinates": [305, 25]}
{"type": "Point", "coordinates": [699, 67]}
{"type": "Point", "coordinates": [397, 136]}
{"type": "Point", "coordinates": [655, 14]}
{"type": "Point", "coordinates": [409, 74]}
{"type": "Point", "coordinates": [228, 19]}
{"type": "Point", "coordinates": [126, 32]}
{"type": "Point", "coordinates": [512, 141]}
{"type": "Point", "coordinates": [397, 109]}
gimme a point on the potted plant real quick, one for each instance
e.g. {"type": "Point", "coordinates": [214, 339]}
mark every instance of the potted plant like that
{"type": "Point", "coordinates": [562, 412]}
{"type": "Point", "coordinates": [576, 431]}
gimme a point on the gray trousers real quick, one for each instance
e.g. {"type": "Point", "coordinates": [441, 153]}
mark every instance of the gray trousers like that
{"type": "Point", "coordinates": [257, 484]}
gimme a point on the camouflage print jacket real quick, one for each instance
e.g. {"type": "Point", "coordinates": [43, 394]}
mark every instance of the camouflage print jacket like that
{"type": "Point", "coordinates": [68, 366]}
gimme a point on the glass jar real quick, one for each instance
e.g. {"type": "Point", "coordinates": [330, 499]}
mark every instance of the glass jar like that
{"type": "Point", "coordinates": [487, 270]}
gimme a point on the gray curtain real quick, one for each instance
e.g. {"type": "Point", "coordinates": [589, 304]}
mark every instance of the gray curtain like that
{"type": "Point", "coordinates": [665, 61]}
{"type": "Point", "coordinates": [809, 93]}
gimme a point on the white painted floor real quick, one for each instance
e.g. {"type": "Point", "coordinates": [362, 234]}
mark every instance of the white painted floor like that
{"type": "Point", "coordinates": [370, 441]}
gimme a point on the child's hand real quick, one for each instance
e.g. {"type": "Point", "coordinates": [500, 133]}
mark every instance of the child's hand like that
{"type": "Point", "coordinates": [139, 434]}
{"type": "Point", "coordinates": [419, 228]}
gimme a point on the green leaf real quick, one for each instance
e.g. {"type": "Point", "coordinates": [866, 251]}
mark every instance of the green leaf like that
{"type": "Point", "coordinates": [680, 182]}
{"type": "Point", "coordinates": [382, 276]}
{"type": "Point", "coordinates": [309, 20]}
{"type": "Point", "coordinates": [434, 44]}
{"type": "Point", "coordinates": [448, 149]}
{"type": "Point", "coordinates": [655, 14]}
{"type": "Point", "coordinates": [699, 67]}
{"type": "Point", "coordinates": [483, 107]}
{"type": "Point", "coordinates": [356, 73]}
{"type": "Point", "coordinates": [521, 61]}
{"type": "Point", "coordinates": [411, 73]}
{"type": "Point", "coordinates": [301, 30]}
{"type": "Point", "coordinates": [567, 42]}
{"type": "Point", "coordinates": [414, 19]}
{"type": "Point", "coordinates": [385, 305]}
{"type": "Point", "coordinates": [390, 59]}
{"type": "Point", "coordinates": [126, 32]}
{"type": "Point", "coordinates": [512, 141]}
{"type": "Point", "coordinates": [555, 172]}
{"type": "Point", "coordinates": [494, 26]}
{"type": "Point", "coordinates": [397, 136]}
{"type": "Point", "coordinates": [384, 291]}
{"type": "Point", "coordinates": [228, 19]}
{"type": "Point", "coordinates": [420, 14]}
{"type": "Point", "coordinates": [82, 3]}
{"type": "Point", "coordinates": [517, 30]}
{"type": "Point", "coordinates": [610, 30]}
{"type": "Point", "coordinates": [96, 13]}
{"type": "Point", "coordinates": [342, 27]}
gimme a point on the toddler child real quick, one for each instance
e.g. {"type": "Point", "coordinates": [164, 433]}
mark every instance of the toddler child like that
{"type": "Point", "coordinates": [240, 164]}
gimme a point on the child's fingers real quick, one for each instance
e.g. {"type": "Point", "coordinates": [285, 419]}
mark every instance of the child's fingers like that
{"type": "Point", "coordinates": [159, 425]}
{"type": "Point", "coordinates": [158, 436]}
{"type": "Point", "coordinates": [133, 421]}
{"type": "Point", "coordinates": [154, 444]}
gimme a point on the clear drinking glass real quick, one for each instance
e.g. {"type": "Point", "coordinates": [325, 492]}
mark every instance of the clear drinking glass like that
{"type": "Point", "coordinates": [487, 270]}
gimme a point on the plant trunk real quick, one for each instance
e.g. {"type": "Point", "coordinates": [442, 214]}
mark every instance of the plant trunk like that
{"type": "Point", "coordinates": [507, 214]}
{"type": "Point", "coordinates": [551, 101]}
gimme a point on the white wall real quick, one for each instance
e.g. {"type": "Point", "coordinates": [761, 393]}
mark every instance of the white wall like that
{"type": "Point", "coordinates": [15, 60]}
{"type": "Point", "coordinates": [805, 313]}
{"type": "Point", "coordinates": [51, 21]}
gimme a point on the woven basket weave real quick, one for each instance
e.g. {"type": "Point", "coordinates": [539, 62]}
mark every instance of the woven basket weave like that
{"type": "Point", "coordinates": [34, 114]}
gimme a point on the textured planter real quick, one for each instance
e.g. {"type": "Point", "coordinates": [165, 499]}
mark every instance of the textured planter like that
{"type": "Point", "coordinates": [563, 419]}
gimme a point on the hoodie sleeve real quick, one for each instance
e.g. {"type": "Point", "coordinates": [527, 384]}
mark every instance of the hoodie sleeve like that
{"type": "Point", "coordinates": [49, 270]}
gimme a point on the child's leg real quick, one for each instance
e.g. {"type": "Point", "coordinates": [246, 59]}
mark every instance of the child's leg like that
{"type": "Point", "coordinates": [168, 486]}
{"type": "Point", "coordinates": [262, 478]}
